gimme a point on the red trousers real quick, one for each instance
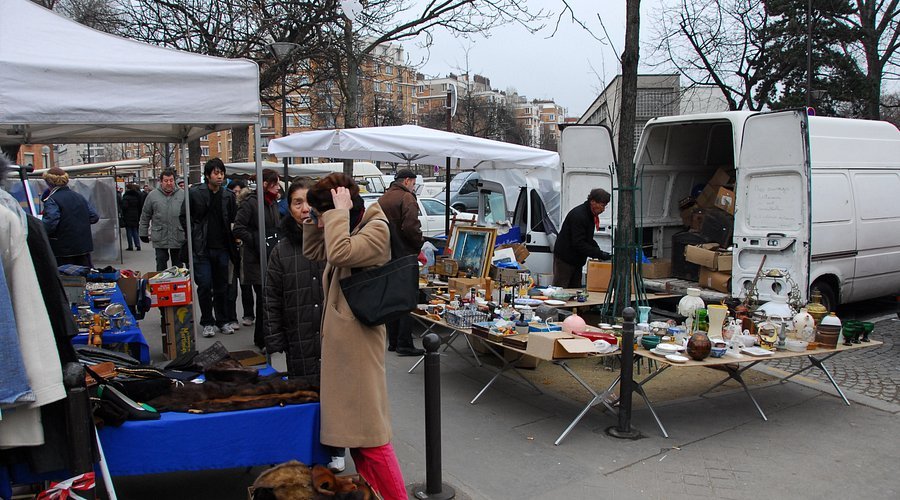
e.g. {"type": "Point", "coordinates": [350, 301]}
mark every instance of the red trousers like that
{"type": "Point", "coordinates": [379, 466]}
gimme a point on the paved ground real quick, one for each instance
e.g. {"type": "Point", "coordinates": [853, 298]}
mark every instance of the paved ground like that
{"type": "Point", "coordinates": [812, 446]}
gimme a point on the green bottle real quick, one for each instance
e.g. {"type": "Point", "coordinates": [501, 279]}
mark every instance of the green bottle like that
{"type": "Point", "coordinates": [702, 321]}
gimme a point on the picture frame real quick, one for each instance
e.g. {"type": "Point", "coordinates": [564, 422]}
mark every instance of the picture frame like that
{"type": "Point", "coordinates": [472, 248]}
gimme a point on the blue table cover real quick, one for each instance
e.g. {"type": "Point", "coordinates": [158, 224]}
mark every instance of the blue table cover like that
{"type": "Point", "coordinates": [185, 441]}
{"type": "Point", "coordinates": [130, 335]}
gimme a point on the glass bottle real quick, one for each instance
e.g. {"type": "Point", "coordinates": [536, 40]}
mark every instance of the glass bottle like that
{"type": "Point", "coordinates": [702, 320]}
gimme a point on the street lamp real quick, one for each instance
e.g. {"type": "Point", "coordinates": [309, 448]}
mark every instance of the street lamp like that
{"type": "Point", "coordinates": [282, 51]}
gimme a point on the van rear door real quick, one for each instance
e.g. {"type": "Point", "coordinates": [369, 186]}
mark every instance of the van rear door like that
{"type": "Point", "coordinates": [772, 210]}
{"type": "Point", "coordinates": [588, 161]}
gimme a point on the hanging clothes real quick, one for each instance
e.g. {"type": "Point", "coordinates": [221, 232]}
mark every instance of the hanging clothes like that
{"type": "Point", "coordinates": [21, 426]}
{"type": "Point", "coordinates": [14, 388]}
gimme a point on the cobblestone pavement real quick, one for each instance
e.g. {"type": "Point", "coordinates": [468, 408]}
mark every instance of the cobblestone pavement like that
{"type": "Point", "coordinates": [873, 372]}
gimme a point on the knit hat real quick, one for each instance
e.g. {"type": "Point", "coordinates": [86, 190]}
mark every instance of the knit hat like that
{"type": "Point", "coordinates": [56, 177]}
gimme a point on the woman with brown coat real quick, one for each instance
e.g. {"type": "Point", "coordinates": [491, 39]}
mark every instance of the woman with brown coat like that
{"type": "Point", "coordinates": [353, 392]}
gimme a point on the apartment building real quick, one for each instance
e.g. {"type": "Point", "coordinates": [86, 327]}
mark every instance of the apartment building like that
{"type": "Point", "coordinates": [657, 95]}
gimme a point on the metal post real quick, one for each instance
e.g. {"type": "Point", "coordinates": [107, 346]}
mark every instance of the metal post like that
{"type": "Point", "coordinates": [433, 488]}
{"type": "Point", "coordinates": [808, 53]}
{"type": "Point", "coordinates": [623, 430]}
{"type": "Point", "coordinates": [449, 107]}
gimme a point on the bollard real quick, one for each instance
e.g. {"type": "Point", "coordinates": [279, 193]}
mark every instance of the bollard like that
{"type": "Point", "coordinates": [623, 430]}
{"type": "Point", "coordinates": [433, 488]}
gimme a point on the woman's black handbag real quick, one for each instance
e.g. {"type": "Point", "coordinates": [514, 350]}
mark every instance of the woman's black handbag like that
{"type": "Point", "coordinates": [384, 294]}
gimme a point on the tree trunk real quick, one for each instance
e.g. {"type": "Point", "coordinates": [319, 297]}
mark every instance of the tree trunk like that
{"type": "Point", "coordinates": [240, 144]}
{"type": "Point", "coordinates": [194, 161]}
{"type": "Point", "coordinates": [351, 99]}
{"type": "Point", "coordinates": [624, 253]}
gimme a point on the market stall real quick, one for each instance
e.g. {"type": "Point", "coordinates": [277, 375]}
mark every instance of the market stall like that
{"type": "Point", "coordinates": [106, 320]}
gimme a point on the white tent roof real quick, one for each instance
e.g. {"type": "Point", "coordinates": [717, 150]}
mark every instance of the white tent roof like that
{"type": "Point", "coordinates": [62, 82]}
{"type": "Point", "coordinates": [87, 168]}
{"type": "Point", "coordinates": [360, 168]}
{"type": "Point", "coordinates": [413, 144]}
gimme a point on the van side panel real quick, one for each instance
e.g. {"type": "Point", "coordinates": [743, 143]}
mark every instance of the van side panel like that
{"type": "Point", "coordinates": [834, 228]}
{"type": "Point", "coordinates": [878, 233]}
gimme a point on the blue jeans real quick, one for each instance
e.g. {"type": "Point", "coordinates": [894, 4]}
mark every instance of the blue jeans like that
{"type": "Point", "coordinates": [211, 274]}
{"type": "Point", "coordinates": [132, 236]}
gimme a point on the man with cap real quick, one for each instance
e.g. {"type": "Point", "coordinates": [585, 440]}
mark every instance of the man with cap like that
{"type": "Point", "coordinates": [402, 210]}
{"type": "Point", "coordinates": [67, 218]}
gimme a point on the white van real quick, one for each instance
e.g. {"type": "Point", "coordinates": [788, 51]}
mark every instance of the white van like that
{"type": "Point", "coordinates": [815, 195]}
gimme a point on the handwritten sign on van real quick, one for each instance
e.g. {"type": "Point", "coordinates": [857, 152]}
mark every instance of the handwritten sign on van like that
{"type": "Point", "coordinates": [776, 201]}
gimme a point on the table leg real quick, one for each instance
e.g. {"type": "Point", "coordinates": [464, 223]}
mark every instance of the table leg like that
{"type": "Point", "coordinates": [472, 350]}
{"type": "Point", "coordinates": [807, 367]}
{"type": "Point", "coordinates": [595, 400]}
{"type": "Point", "coordinates": [639, 387]}
{"type": "Point", "coordinates": [734, 373]}
{"type": "Point", "coordinates": [729, 377]}
{"type": "Point", "coordinates": [506, 365]}
{"type": "Point", "coordinates": [820, 365]}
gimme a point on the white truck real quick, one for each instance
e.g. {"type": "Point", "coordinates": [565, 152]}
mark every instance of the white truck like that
{"type": "Point", "coordinates": [817, 196]}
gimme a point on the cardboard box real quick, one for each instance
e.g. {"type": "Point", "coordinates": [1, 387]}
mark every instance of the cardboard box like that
{"type": "Point", "coordinates": [657, 268]}
{"type": "Point", "coordinates": [178, 330]}
{"type": "Point", "coordinates": [720, 178]}
{"type": "Point", "coordinates": [170, 292]}
{"type": "Point", "coordinates": [709, 256]}
{"type": "Point", "coordinates": [707, 198]}
{"type": "Point", "coordinates": [558, 345]}
{"type": "Point", "coordinates": [129, 288]}
{"type": "Point", "coordinates": [715, 280]}
{"type": "Point", "coordinates": [462, 285]}
{"type": "Point", "coordinates": [725, 200]}
{"type": "Point", "coordinates": [598, 275]}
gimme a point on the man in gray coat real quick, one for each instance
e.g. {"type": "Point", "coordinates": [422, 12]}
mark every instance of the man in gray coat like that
{"type": "Point", "coordinates": [160, 221]}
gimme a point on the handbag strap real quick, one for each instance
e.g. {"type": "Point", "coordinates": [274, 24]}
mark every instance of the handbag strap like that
{"type": "Point", "coordinates": [397, 249]}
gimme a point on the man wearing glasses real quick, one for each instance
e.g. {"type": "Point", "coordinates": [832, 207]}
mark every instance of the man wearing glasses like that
{"type": "Point", "coordinates": [575, 243]}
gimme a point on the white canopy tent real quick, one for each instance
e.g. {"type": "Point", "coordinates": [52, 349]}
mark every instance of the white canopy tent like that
{"type": "Point", "coordinates": [62, 82]}
{"type": "Point", "coordinates": [413, 144]}
{"type": "Point", "coordinates": [90, 168]}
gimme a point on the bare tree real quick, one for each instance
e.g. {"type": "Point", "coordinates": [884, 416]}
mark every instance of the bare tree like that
{"type": "Point", "coordinates": [878, 24]}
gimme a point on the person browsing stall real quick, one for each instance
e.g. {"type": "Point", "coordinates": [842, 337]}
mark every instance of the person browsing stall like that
{"type": "Point", "coordinates": [67, 217]}
{"type": "Point", "coordinates": [575, 243]}
{"type": "Point", "coordinates": [160, 221]}
{"type": "Point", "coordinates": [353, 392]}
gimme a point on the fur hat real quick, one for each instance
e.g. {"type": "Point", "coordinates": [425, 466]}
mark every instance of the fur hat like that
{"type": "Point", "coordinates": [56, 177]}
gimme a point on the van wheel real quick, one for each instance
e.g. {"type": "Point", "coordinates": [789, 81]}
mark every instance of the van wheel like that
{"type": "Point", "coordinates": [829, 297]}
{"type": "Point", "coordinates": [459, 207]}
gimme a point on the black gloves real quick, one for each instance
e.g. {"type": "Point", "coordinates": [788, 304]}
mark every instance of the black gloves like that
{"type": "Point", "coordinates": [605, 255]}
{"type": "Point", "coordinates": [145, 239]}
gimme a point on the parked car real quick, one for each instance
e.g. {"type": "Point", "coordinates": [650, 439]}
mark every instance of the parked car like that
{"type": "Point", "coordinates": [431, 214]}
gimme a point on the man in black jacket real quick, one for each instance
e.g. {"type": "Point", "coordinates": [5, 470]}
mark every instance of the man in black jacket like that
{"type": "Point", "coordinates": [402, 210]}
{"type": "Point", "coordinates": [213, 210]}
{"type": "Point", "coordinates": [576, 240]}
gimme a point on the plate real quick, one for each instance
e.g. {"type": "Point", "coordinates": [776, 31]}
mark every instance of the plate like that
{"type": "Point", "coordinates": [669, 348]}
{"type": "Point", "coordinates": [677, 358]}
{"type": "Point", "coordinates": [528, 302]}
{"type": "Point", "coordinates": [756, 351]}
{"type": "Point", "coordinates": [554, 302]}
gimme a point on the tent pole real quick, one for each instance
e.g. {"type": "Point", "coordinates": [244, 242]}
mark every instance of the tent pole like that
{"type": "Point", "coordinates": [260, 200]}
{"type": "Point", "coordinates": [188, 230]}
{"type": "Point", "coordinates": [118, 213]}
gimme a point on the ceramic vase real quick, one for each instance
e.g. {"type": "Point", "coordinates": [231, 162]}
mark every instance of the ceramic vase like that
{"type": "Point", "coordinates": [699, 346]}
{"type": "Point", "coordinates": [688, 305]}
{"type": "Point", "coordinates": [716, 314]}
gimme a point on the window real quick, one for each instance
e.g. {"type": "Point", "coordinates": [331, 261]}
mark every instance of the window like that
{"type": "Point", "coordinates": [433, 207]}
{"type": "Point", "coordinates": [389, 87]}
{"type": "Point", "coordinates": [376, 86]}
{"type": "Point", "coordinates": [389, 69]}
{"type": "Point", "coordinates": [204, 150]}
{"type": "Point", "coordinates": [29, 159]}
{"type": "Point", "coordinates": [304, 120]}
{"type": "Point", "coordinates": [873, 190]}
{"type": "Point", "coordinates": [267, 121]}
{"type": "Point", "coordinates": [205, 138]}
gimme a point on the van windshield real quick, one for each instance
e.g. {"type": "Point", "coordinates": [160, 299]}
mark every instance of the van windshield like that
{"type": "Point", "coordinates": [458, 180]}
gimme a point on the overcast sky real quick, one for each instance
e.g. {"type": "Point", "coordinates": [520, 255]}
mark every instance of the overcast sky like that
{"type": "Point", "coordinates": [571, 67]}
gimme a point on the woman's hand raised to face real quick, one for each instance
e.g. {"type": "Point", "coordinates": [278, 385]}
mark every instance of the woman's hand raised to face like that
{"type": "Point", "coordinates": [341, 197]}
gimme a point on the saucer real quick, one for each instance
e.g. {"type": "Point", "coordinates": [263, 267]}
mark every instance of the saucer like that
{"type": "Point", "coordinates": [554, 302]}
{"type": "Point", "coordinates": [669, 348]}
{"type": "Point", "coordinates": [677, 358]}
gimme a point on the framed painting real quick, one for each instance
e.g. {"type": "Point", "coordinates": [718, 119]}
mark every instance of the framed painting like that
{"type": "Point", "coordinates": [473, 247]}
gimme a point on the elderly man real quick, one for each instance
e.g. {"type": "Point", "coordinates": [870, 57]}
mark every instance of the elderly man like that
{"type": "Point", "coordinates": [402, 210]}
{"type": "Point", "coordinates": [576, 243]}
{"type": "Point", "coordinates": [160, 222]}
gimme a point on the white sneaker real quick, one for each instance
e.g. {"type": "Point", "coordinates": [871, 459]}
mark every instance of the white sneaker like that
{"type": "Point", "coordinates": [247, 321]}
{"type": "Point", "coordinates": [234, 325]}
{"type": "Point", "coordinates": [227, 329]}
{"type": "Point", "coordinates": [209, 331]}
{"type": "Point", "coordinates": [336, 464]}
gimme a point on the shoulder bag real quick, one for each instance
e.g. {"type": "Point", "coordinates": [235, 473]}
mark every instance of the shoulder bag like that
{"type": "Point", "coordinates": [386, 293]}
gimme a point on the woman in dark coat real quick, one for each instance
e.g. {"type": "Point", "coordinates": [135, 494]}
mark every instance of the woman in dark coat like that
{"type": "Point", "coordinates": [132, 205]}
{"type": "Point", "coordinates": [294, 295]}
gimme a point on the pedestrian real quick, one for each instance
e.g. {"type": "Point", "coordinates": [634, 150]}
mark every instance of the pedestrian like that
{"type": "Point", "coordinates": [212, 213]}
{"type": "Point", "coordinates": [236, 286]}
{"type": "Point", "coordinates": [146, 191]}
{"type": "Point", "coordinates": [132, 208]}
{"type": "Point", "coordinates": [246, 229]}
{"type": "Point", "coordinates": [181, 184]}
{"type": "Point", "coordinates": [67, 217]}
{"type": "Point", "coordinates": [402, 210]}
{"type": "Point", "coordinates": [294, 300]}
{"type": "Point", "coordinates": [355, 410]}
{"type": "Point", "coordinates": [576, 243]}
{"type": "Point", "coordinates": [160, 221]}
